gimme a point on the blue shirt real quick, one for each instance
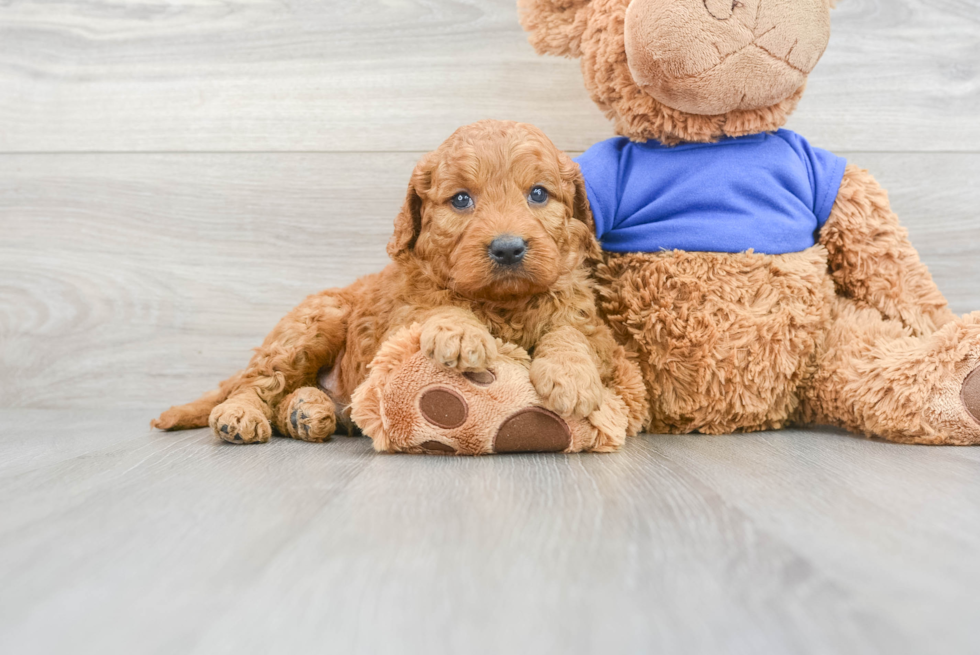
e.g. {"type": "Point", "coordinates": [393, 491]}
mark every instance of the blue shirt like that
{"type": "Point", "coordinates": [769, 192]}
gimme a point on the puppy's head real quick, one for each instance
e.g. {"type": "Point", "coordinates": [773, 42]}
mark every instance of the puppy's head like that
{"type": "Point", "coordinates": [495, 213]}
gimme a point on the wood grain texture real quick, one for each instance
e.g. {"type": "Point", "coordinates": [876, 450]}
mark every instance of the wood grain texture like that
{"type": "Point", "coordinates": [142, 280]}
{"type": "Point", "coordinates": [789, 542]}
{"type": "Point", "coordinates": [262, 151]}
{"type": "Point", "coordinates": [400, 75]}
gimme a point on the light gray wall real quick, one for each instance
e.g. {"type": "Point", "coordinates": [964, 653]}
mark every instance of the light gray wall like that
{"type": "Point", "coordinates": [173, 178]}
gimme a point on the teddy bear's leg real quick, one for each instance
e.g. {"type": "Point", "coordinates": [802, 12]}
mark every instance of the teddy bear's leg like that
{"type": "Point", "coordinates": [307, 414]}
{"type": "Point", "coordinates": [875, 377]}
{"type": "Point", "coordinates": [410, 403]}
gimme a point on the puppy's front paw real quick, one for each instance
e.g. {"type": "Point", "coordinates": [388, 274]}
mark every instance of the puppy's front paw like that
{"type": "Point", "coordinates": [307, 414]}
{"type": "Point", "coordinates": [240, 423]}
{"type": "Point", "coordinates": [461, 345]}
{"type": "Point", "coordinates": [570, 387]}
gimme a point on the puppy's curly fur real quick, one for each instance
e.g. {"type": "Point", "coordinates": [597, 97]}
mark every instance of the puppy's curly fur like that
{"type": "Point", "coordinates": [443, 277]}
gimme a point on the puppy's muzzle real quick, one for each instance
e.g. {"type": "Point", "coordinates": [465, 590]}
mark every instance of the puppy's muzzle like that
{"type": "Point", "coordinates": [507, 250]}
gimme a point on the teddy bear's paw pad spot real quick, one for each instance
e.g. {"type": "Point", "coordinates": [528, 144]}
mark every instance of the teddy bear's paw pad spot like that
{"type": "Point", "coordinates": [480, 378]}
{"type": "Point", "coordinates": [437, 448]}
{"type": "Point", "coordinates": [970, 394]}
{"type": "Point", "coordinates": [443, 408]}
{"type": "Point", "coordinates": [533, 430]}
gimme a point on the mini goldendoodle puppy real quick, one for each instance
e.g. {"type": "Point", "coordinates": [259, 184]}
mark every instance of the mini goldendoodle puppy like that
{"type": "Point", "coordinates": [493, 242]}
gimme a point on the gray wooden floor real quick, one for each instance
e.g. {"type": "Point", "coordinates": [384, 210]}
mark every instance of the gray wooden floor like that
{"type": "Point", "coordinates": [116, 540]}
{"type": "Point", "coordinates": [175, 175]}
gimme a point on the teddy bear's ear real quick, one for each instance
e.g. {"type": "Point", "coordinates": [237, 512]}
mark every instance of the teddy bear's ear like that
{"type": "Point", "coordinates": [408, 223]}
{"type": "Point", "coordinates": [555, 27]}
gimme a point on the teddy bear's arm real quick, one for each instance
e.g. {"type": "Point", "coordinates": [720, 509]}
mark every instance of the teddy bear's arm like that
{"type": "Point", "coordinates": [872, 260]}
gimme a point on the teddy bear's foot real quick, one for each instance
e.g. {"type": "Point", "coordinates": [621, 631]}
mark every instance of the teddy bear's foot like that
{"type": "Point", "coordinates": [238, 421]}
{"type": "Point", "coordinates": [954, 411]}
{"type": "Point", "coordinates": [307, 414]}
{"type": "Point", "coordinates": [875, 377]}
{"type": "Point", "coordinates": [411, 404]}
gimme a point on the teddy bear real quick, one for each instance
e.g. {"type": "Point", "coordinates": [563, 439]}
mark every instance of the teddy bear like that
{"type": "Point", "coordinates": [411, 404]}
{"type": "Point", "coordinates": [760, 281]}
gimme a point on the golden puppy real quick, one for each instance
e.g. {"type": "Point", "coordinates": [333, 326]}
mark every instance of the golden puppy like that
{"type": "Point", "coordinates": [492, 242]}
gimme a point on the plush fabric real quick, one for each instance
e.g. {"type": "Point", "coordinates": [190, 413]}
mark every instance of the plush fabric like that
{"type": "Point", "coordinates": [712, 57]}
{"type": "Point", "coordinates": [595, 31]}
{"type": "Point", "coordinates": [498, 413]}
{"type": "Point", "coordinates": [849, 331]}
{"type": "Point", "coordinates": [770, 193]}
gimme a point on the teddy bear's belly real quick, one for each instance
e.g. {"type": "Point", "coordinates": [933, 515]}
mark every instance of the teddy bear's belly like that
{"type": "Point", "coordinates": [725, 340]}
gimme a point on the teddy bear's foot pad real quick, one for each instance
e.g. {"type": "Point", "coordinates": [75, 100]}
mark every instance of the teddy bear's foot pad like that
{"type": "Point", "coordinates": [444, 408]}
{"type": "Point", "coordinates": [437, 448]}
{"type": "Point", "coordinates": [970, 394]}
{"type": "Point", "coordinates": [530, 430]}
{"type": "Point", "coordinates": [533, 430]}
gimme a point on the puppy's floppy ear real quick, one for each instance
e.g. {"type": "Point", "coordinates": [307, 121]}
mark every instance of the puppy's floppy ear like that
{"type": "Point", "coordinates": [583, 223]}
{"type": "Point", "coordinates": [555, 27]}
{"type": "Point", "coordinates": [408, 223]}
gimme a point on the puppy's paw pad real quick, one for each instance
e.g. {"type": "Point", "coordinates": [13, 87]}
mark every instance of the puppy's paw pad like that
{"type": "Point", "coordinates": [461, 346]}
{"type": "Point", "coordinates": [311, 419]}
{"type": "Point", "coordinates": [240, 424]}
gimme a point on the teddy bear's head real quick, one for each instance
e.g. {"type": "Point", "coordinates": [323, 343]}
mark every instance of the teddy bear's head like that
{"type": "Point", "coordinates": [687, 70]}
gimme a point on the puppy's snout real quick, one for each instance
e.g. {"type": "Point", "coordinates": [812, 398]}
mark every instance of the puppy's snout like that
{"type": "Point", "coordinates": [508, 250]}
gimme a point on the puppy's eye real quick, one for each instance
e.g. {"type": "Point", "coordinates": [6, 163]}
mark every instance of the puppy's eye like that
{"type": "Point", "coordinates": [461, 201]}
{"type": "Point", "coordinates": [538, 196]}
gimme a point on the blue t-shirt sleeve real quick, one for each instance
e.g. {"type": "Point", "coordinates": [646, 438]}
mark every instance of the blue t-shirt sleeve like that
{"type": "Point", "coordinates": [600, 168]}
{"type": "Point", "coordinates": [826, 172]}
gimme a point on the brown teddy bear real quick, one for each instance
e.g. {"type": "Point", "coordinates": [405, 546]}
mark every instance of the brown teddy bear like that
{"type": "Point", "coordinates": [761, 281]}
{"type": "Point", "coordinates": [411, 404]}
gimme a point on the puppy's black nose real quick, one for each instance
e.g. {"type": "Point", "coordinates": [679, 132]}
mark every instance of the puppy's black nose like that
{"type": "Point", "coordinates": [508, 249]}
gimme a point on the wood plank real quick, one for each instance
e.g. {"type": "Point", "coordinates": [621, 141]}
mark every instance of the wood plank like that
{"type": "Point", "coordinates": [100, 252]}
{"type": "Point", "coordinates": [136, 280]}
{"type": "Point", "coordinates": [832, 483]}
{"type": "Point", "coordinates": [385, 75]}
{"type": "Point", "coordinates": [798, 541]}
{"type": "Point", "coordinates": [67, 553]}
{"type": "Point", "coordinates": [936, 198]}
{"type": "Point", "coordinates": [43, 445]}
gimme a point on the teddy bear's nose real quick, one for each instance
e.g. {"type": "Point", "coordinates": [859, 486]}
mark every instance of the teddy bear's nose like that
{"type": "Point", "coordinates": [721, 9]}
{"type": "Point", "coordinates": [508, 249]}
